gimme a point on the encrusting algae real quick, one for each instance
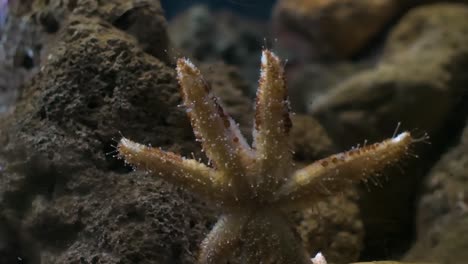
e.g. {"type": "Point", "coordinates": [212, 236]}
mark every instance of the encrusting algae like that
{"type": "Point", "coordinates": [255, 186]}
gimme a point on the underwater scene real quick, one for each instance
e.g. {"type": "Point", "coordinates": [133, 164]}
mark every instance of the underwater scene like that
{"type": "Point", "coordinates": [233, 132]}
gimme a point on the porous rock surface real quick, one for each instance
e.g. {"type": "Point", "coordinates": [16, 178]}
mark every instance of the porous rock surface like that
{"type": "Point", "coordinates": [60, 183]}
{"type": "Point", "coordinates": [332, 227]}
{"type": "Point", "coordinates": [28, 27]}
{"type": "Point", "coordinates": [142, 19]}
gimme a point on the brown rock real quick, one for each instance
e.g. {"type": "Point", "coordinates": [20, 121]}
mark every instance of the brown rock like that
{"type": "Point", "coordinates": [309, 139]}
{"type": "Point", "coordinates": [420, 81]}
{"type": "Point", "coordinates": [60, 182]}
{"type": "Point", "coordinates": [334, 226]}
{"type": "Point", "coordinates": [31, 25]}
{"type": "Point", "coordinates": [443, 210]}
{"type": "Point", "coordinates": [344, 241]}
{"type": "Point", "coordinates": [308, 81]}
{"type": "Point", "coordinates": [143, 19]}
{"type": "Point", "coordinates": [330, 28]}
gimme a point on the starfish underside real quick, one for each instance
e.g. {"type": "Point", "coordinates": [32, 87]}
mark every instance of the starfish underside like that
{"type": "Point", "coordinates": [255, 186]}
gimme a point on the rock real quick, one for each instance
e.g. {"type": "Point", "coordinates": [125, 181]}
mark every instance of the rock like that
{"type": "Point", "coordinates": [60, 181]}
{"type": "Point", "coordinates": [309, 139]}
{"type": "Point", "coordinates": [31, 25]}
{"type": "Point", "coordinates": [15, 245]}
{"type": "Point", "coordinates": [307, 81]}
{"type": "Point", "coordinates": [443, 209]}
{"type": "Point", "coordinates": [143, 19]}
{"type": "Point", "coordinates": [426, 30]}
{"type": "Point", "coordinates": [213, 35]}
{"type": "Point", "coordinates": [330, 28]}
{"type": "Point", "coordinates": [420, 80]}
{"type": "Point", "coordinates": [333, 227]}
{"type": "Point", "coordinates": [340, 244]}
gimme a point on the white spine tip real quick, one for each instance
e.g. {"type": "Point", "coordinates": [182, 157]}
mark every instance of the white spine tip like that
{"type": "Point", "coordinates": [130, 145]}
{"type": "Point", "coordinates": [182, 65]}
{"type": "Point", "coordinates": [268, 58]}
{"type": "Point", "coordinates": [319, 259]}
{"type": "Point", "coordinates": [401, 137]}
{"type": "Point", "coordinates": [188, 63]}
{"type": "Point", "coordinates": [264, 59]}
{"type": "Point", "coordinates": [267, 55]}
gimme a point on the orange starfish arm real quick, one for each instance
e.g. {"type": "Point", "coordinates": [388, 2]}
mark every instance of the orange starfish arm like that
{"type": "Point", "coordinates": [186, 173]}
{"type": "Point", "coordinates": [337, 172]}
{"type": "Point", "coordinates": [220, 136]}
{"type": "Point", "coordinates": [272, 123]}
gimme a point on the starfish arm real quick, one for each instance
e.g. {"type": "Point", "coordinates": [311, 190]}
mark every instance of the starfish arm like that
{"type": "Point", "coordinates": [335, 173]}
{"type": "Point", "coordinates": [221, 139]}
{"type": "Point", "coordinates": [272, 122]}
{"type": "Point", "coordinates": [187, 173]}
{"type": "Point", "coordinates": [223, 239]}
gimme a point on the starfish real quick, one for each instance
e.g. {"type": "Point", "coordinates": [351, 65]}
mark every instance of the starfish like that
{"type": "Point", "coordinates": [255, 186]}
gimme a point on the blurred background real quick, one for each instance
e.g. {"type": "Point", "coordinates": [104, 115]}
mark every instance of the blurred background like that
{"type": "Point", "coordinates": [77, 74]}
{"type": "Point", "coordinates": [257, 9]}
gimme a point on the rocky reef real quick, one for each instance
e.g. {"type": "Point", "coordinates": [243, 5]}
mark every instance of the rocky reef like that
{"type": "Point", "coordinates": [77, 75]}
